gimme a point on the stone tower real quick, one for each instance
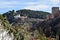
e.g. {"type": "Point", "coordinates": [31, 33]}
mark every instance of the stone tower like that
{"type": "Point", "coordinates": [55, 11]}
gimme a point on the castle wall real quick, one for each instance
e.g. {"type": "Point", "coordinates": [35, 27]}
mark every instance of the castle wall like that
{"type": "Point", "coordinates": [50, 16]}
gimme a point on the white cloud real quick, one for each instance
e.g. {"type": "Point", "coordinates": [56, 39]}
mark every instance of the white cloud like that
{"type": "Point", "coordinates": [31, 3]}
{"type": "Point", "coordinates": [9, 4]}
{"type": "Point", "coordinates": [36, 7]}
{"type": "Point", "coordinates": [55, 1]}
{"type": "Point", "coordinates": [5, 4]}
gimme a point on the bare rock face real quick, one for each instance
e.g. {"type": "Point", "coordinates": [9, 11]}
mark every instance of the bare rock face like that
{"type": "Point", "coordinates": [4, 35]}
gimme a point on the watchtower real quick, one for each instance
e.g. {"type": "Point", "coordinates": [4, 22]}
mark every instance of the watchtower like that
{"type": "Point", "coordinates": [55, 11]}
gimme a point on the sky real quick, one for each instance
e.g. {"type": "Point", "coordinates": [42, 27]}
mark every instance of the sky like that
{"type": "Point", "coordinates": [40, 5]}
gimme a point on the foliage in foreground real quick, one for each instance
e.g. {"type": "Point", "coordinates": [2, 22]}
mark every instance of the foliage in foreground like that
{"type": "Point", "coordinates": [20, 32]}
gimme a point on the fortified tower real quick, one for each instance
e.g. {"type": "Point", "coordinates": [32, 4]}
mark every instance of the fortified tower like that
{"type": "Point", "coordinates": [55, 11]}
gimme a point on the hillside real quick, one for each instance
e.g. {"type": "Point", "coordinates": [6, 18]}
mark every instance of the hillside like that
{"type": "Point", "coordinates": [21, 32]}
{"type": "Point", "coordinates": [32, 13]}
{"type": "Point", "coordinates": [41, 30]}
{"type": "Point", "coordinates": [24, 12]}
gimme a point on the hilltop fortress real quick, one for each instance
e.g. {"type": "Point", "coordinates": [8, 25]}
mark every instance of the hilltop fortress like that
{"type": "Point", "coordinates": [55, 13]}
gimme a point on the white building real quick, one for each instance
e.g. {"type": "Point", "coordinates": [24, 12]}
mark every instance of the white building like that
{"type": "Point", "coordinates": [17, 16]}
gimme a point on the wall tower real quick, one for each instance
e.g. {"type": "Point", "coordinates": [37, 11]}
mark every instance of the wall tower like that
{"type": "Point", "coordinates": [55, 11]}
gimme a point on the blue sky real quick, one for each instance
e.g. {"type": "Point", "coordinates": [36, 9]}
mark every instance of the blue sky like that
{"type": "Point", "coordinates": [41, 5]}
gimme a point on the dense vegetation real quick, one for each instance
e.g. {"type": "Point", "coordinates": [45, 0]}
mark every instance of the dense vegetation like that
{"type": "Point", "coordinates": [50, 28]}
{"type": "Point", "coordinates": [21, 32]}
{"type": "Point", "coordinates": [33, 14]}
{"type": "Point", "coordinates": [28, 13]}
